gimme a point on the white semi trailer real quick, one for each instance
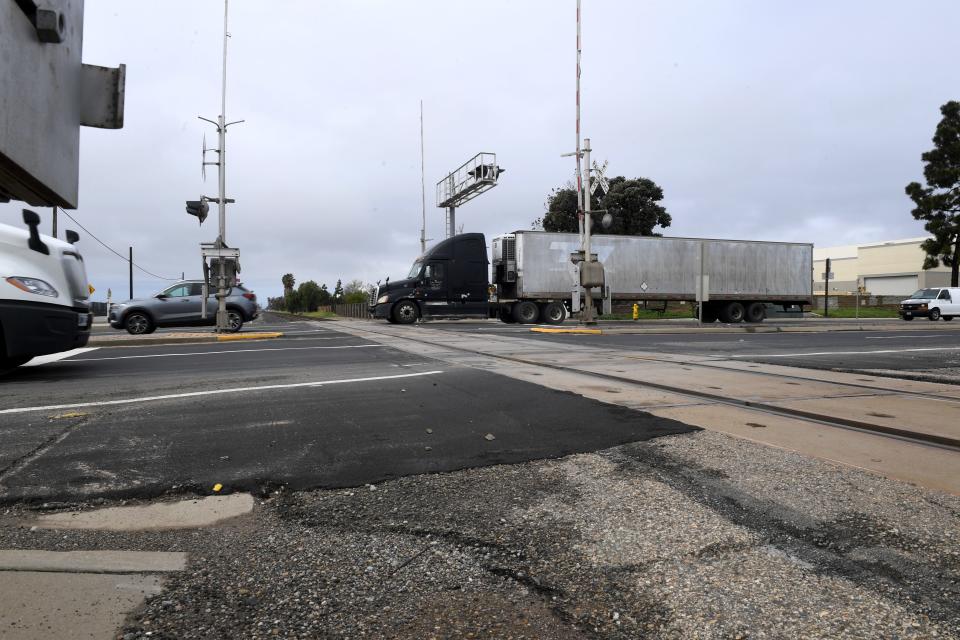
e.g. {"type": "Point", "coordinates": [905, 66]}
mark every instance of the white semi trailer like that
{"type": "Point", "coordinates": [743, 276]}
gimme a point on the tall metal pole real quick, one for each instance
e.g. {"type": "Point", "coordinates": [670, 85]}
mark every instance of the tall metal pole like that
{"type": "Point", "coordinates": [451, 213]}
{"type": "Point", "coordinates": [423, 192]}
{"type": "Point", "coordinates": [577, 154]}
{"type": "Point", "coordinates": [222, 326]}
{"type": "Point", "coordinates": [131, 273]}
{"type": "Point", "coordinates": [589, 313]}
{"type": "Point", "coordinates": [54, 234]}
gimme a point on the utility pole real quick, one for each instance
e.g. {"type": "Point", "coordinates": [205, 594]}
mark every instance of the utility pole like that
{"type": "Point", "coordinates": [826, 289]}
{"type": "Point", "coordinates": [577, 152]}
{"type": "Point", "coordinates": [590, 272]}
{"type": "Point", "coordinates": [54, 234]}
{"type": "Point", "coordinates": [131, 273]}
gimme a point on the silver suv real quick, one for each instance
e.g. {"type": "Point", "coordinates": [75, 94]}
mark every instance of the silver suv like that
{"type": "Point", "coordinates": [182, 305]}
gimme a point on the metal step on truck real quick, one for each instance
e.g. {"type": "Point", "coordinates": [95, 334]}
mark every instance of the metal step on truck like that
{"type": "Point", "coordinates": [44, 294]}
{"type": "Point", "coordinates": [531, 278]}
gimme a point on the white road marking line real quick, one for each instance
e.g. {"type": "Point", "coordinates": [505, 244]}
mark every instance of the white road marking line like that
{"type": "Point", "coordinates": [841, 353]}
{"type": "Point", "coordinates": [54, 357]}
{"type": "Point", "coordinates": [194, 394]}
{"type": "Point", "coordinates": [936, 335]}
{"type": "Point", "coordinates": [214, 353]}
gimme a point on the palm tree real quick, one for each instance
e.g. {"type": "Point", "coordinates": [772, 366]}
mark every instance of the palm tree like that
{"type": "Point", "coordinates": [288, 282]}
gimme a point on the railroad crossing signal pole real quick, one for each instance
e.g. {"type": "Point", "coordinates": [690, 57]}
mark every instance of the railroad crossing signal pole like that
{"type": "Point", "coordinates": [589, 312]}
{"type": "Point", "coordinates": [219, 251]}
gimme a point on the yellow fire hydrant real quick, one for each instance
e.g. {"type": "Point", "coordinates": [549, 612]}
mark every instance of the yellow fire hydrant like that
{"type": "Point", "coordinates": [636, 311]}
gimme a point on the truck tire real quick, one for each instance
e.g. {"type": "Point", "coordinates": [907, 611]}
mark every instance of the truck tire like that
{"type": "Point", "coordinates": [934, 315]}
{"type": "Point", "coordinates": [505, 316]}
{"type": "Point", "coordinates": [755, 312]}
{"type": "Point", "coordinates": [138, 323]}
{"type": "Point", "coordinates": [553, 313]}
{"type": "Point", "coordinates": [526, 312]}
{"type": "Point", "coordinates": [732, 312]}
{"type": "Point", "coordinates": [406, 312]}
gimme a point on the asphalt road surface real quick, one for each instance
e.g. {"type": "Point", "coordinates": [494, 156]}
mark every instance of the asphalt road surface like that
{"type": "Point", "coordinates": [317, 409]}
{"type": "Point", "coordinates": [903, 350]}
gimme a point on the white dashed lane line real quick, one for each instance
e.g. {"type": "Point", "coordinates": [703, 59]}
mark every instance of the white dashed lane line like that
{"type": "Point", "coordinates": [213, 392]}
{"type": "Point", "coordinates": [217, 353]}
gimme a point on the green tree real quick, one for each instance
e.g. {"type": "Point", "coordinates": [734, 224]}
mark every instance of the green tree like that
{"type": "Point", "coordinates": [324, 294]}
{"type": "Point", "coordinates": [938, 203]}
{"type": "Point", "coordinates": [288, 282]}
{"type": "Point", "coordinates": [338, 292]}
{"type": "Point", "coordinates": [632, 204]}
{"type": "Point", "coordinates": [356, 291]}
{"type": "Point", "coordinates": [309, 295]}
{"type": "Point", "coordinates": [292, 302]}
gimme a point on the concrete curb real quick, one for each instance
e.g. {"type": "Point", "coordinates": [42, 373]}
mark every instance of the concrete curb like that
{"type": "Point", "coordinates": [175, 339]}
{"type": "Point", "coordinates": [577, 331]}
{"type": "Point", "coordinates": [92, 561]}
{"type": "Point", "coordinates": [183, 514]}
{"type": "Point", "coordinates": [263, 335]}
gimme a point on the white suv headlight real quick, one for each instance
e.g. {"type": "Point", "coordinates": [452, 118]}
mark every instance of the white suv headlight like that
{"type": "Point", "coordinates": [33, 285]}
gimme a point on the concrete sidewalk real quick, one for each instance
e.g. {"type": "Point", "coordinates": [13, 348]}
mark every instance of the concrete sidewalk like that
{"type": "Point", "coordinates": [87, 594]}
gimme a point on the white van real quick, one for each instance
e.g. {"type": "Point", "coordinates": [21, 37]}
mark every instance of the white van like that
{"type": "Point", "coordinates": [932, 304]}
{"type": "Point", "coordinates": [44, 294]}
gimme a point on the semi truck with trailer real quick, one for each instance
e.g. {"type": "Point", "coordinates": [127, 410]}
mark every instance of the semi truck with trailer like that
{"type": "Point", "coordinates": [44, 294]}
{"type": "Point", "coordinates": [532, 279]}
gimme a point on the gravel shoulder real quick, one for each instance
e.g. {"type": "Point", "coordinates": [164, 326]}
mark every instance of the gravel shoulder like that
{"type": "Point", "coordinates": [688, 536]}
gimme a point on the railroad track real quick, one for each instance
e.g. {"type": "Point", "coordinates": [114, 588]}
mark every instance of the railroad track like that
{"type": "Point", "coordinates": [899, 433]}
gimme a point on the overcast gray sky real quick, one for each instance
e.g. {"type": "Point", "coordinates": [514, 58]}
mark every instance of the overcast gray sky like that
{"type": "Point", "coordinates": [760, 119]}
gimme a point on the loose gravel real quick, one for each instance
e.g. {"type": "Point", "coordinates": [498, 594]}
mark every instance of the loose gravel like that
{"type": "Point", "coordinates": [693, 536]}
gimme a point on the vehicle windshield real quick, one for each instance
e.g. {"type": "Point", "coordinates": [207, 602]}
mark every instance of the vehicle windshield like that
{"type": "Point", "coordinates": [415, 269]}
{"type": "Point", "coordinates": [925, 294]}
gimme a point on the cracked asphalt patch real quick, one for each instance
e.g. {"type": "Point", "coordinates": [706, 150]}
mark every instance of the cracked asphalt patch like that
{"type": "Point", "coordinates": [688, 536]}
{"type": "Point", "coordinates": [308, 437]}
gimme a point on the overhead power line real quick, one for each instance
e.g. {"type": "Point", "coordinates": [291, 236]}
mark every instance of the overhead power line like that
{"type": "Point", "coordinates": [112, 250]}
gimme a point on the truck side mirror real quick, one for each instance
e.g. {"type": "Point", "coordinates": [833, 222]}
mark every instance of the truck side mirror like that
{"type": "Point", "coordinates": [72, 236]}
{"type": "Point", "coordinates": [32, 220]}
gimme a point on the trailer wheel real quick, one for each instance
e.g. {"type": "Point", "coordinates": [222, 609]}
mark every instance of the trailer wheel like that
{"type": "Point", "coordinates": [732, 312]}
{"type": "Point", "coordinates": [553, 313]}
{"type": "Point", "coordinates": [756, 312]}
{"type": "Point", "coordinates": [526, 312]}
{"type": "Point", "coordinates": [406, 312]}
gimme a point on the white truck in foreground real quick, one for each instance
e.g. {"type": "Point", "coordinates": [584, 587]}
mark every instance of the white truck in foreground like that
{"type": "Point", "coordinates": [44, 294]}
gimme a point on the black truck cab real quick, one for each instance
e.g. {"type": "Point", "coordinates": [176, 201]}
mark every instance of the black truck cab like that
{"type": "Point", "coordinates": [449, 280]}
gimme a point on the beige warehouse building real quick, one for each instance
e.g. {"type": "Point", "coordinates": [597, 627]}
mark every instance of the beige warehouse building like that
{"type": "Point", "coordinates": [893, 268]}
